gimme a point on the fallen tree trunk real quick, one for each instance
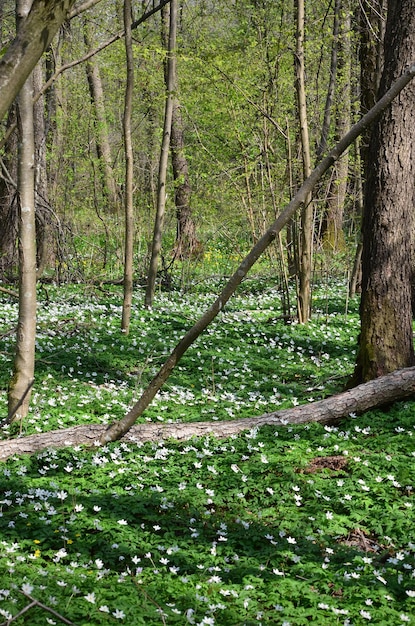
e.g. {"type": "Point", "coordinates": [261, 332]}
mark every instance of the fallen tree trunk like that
{"type": "Point", "coordinates": [375, 393]}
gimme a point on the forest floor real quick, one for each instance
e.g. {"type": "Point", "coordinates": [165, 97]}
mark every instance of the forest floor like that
{"type": "Point", "coordinates": [282, 526]}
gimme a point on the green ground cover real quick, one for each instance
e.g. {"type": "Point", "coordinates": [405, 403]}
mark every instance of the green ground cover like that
{"type": "Point", "coordinates": [281, 526]}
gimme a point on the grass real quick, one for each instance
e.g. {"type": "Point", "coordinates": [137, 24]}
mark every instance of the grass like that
{"type": "Point", "coordinates": [282, 526]}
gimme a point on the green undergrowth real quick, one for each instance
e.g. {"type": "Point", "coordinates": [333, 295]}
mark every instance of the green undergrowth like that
{"type": "Point", "coordinates": [249, 360]}
{"type": "Point", "coordinates": [283, 526]}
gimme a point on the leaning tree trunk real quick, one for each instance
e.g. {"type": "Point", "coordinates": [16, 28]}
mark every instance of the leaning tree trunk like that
{"type": "Point", "coordinates": [382, 391]}
{"type": "Point", "coordinates": [24, 361]}
{"type": "Point", "coordinates": [386, 337]}
{"type": "Point", "coordinates": [164, 155]}
{"type": "Point", "coordinates": [24, 52]}
{"type": "Point", "coordinates": [118, 429]}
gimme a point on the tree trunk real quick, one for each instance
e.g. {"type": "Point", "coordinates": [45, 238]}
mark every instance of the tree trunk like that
{"type": "Point", "coordinates": [306, 235]}
{"type": "Point", "coordinates": [386, 338]}
{"type": "Point", "coordinates": [41, 180]}
{"type": "Point", "coordinates": [24, 361]}
{"type": "Point", "coordinates": [187, 243]}
{"type": "Point", "coordinates": [322, 145]}
{"type": "Point", "coordinates": [376, 393]}
{"type": "Point", "coordinates": [164, 155]}
{"type": "Point", "coordinates": [129, 163]}
{"type": "Point", "coordinates": [334, 235]}
{"type": "Point", "coordinates": [8, 199]}
{"type": "Point", "coordinates": [41, 25]}
{"type": "Point", "coordinates": [118, 429]}
{"type": "Point", "coordinates": [109, 186]}
{"type": "Point", "coordinates": [371, 30]}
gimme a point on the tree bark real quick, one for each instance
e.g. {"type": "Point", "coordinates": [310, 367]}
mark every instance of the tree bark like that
{"type": "Point", "coordinates": [386, 338]}
{"type": "Point", "coordinates": [38, 30]}
{"type": "Point", "coordinates": [96, 90]}
{"type": "Point", "coordinates": [306, 235]}
{"type": "Point", "coordinates": [24, 362]}
{"type": "Point", "coordinates": [164, 155]}
{"type": "Point", "coordinates": [187, 243]}
{"type": "Point", "coordinates": [375, 393]}
{"type": "Point", "coordinates": [8, 205]}
{"type": "Point", "coordinates": [118, 429]}
{"type": "Point", "coordinates": [43, 239]}
{"type": "Point", "coordinates": [372, 18]}
{"type": "Point", "coordinates": [129, 174]}
{"type": "Point", "coordinates": [322, 145]}
{"type": "Point", "coordinates": [333, 235]}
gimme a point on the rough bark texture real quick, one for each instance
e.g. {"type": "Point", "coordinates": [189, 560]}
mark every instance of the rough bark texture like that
{"type": "Point", "coordinates": [382, 391]}
{"type": "Point", "coordinates": [386, 339]}
{"type": "Point", "coordinates": [187, 244]}
{"type": "Point", "coordinates": [371, 33]}
{"type": "Point", "coordinates": [33, 38]}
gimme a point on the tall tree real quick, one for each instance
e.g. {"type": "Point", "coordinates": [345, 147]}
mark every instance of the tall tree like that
{"type": "Point", "coordinates": [24, 362]}
{"type": "Point", "coordinates": [334, 235]}
{"type": "Point", "coordinates": [186, 240]}
{"type": "Point", "coordinates": [371, 29]}
{"type": "Point", "coordinates": [129, 164]}
{"type": "Point", "coordinates": [96, 90]}
{"type": "Point", "coordinates": [8, 211]}
{"type": "Point", "coordinates": [164, 155]}
{"type": "Point", "coordinates": [386, 338]}
{"type": "Point", "coordinates": [42, 211]}
{"type": "Point", "coordinates": [306, 241]}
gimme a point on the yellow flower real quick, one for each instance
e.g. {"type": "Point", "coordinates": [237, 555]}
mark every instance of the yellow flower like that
{"type": "Point", "coordinates": [36, 541]}
{"type": "Point", "coordinates": [69, 541]}
{"type": "Point", "coordinates": [37, 554]}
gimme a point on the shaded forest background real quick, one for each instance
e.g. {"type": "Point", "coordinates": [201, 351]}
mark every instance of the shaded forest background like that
{"type": "Point", "coordinates": [238, 120]}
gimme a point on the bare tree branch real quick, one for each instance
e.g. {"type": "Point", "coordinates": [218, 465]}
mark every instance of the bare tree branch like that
{"type": "Point", "coordinates": [33, 602]}
{"type": "Point", "coordinates": [101, 47]}
{"type": "Point", "coordinates": [82, 7]}
{"type": "Point", "coordinates": [41, 25]}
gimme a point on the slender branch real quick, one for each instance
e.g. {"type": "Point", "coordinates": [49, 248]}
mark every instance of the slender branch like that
{"type": "Point", "coordinates": [82, 7]}
{"type": "Point", "coordinates": [100, 48]}
{"type": "Point", "coordinates": [9, 292]}
{"type": "Point", "coordinates": [33, 603]}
